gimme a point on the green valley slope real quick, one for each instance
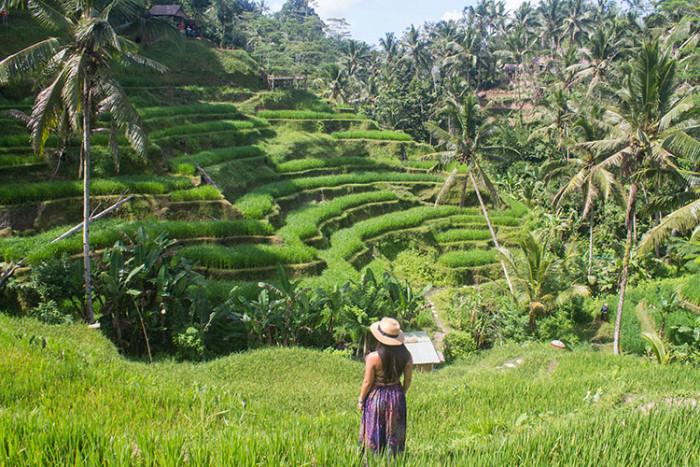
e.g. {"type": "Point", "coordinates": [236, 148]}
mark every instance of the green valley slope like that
{"type": "Point", "coordinates": [65, 393]}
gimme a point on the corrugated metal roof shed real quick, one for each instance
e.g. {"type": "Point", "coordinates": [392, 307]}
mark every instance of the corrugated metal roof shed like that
{"type": "Point", "coordinates": [421, 348]}
{"type": "Point", "coordinates": [168, 10]}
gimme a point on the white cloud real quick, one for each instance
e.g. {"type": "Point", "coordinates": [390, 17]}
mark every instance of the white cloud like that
{"type": "Point", "coordinates": [512, 5]}
{"type": "Point", "coordinates": [452, 15]}
{"type": "Point", "coordinates": [335, 8]}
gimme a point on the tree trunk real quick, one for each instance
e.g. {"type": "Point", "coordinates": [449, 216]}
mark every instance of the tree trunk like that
{"type": "Point", "coordinates": [463, 194]}
{"type": "Point", "coordinates": [629, 221]}
{"type": "Point", "coordinates": [488, 223]}
{"type": "Point", "coordinates": [87, 106]}
{"type": "Point", "coordinates": [590, 242]}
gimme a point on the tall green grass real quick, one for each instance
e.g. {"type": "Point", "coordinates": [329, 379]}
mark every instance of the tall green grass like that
{"type": "Point", "coordinates": [200, 193]}
{"type": "Point", "coordinates": [13, 193]}
{"type": "Point", "coordinates": [105, 233]}
{"type": "Point", "coordinates": [300, 165]}
{"type": "Point", "coordinates": [462, 235]}
{"type": "Point", "coordinates": [247, 256]}
{"type": "Point", "coordinates": [383, 135]}
{"type": "Point", "coordinates": [260, 201]}
{"type": "Point", "coordinates": [468, 258]}
{"type": "Point", "coordinates": [303, 224]}
{"type": "Point", "coordinates": [10, 160]}
{"type": "Point", "coordinates": [345, 242]}
{"type": "Point", "coordinates": [194, 109]}
{"type": "Point", "coordinates": [61, 405]}
{"type": "Point", "coordinates": [186, 164]}
{"type": "Point", "coordinates": [306, 115]}
{"type": "Point", "coordinates": [207, 127]}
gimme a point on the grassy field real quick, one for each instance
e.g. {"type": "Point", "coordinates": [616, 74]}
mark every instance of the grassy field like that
{"type": "Point", "coordinates": [296, 407]}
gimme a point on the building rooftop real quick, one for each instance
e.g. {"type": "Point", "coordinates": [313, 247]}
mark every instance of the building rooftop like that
{"type": "Point", "coordinates": [421, 348]}
{"type": "Point", "coordinates": [168, 10]}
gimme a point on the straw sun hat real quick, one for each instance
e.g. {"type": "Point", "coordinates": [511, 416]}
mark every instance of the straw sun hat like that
{"type": "Point", "coordinates": [387, 331]}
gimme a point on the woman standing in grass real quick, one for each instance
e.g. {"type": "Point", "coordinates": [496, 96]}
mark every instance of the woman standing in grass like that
{"type": "Point", "coordinates": [383, 397]}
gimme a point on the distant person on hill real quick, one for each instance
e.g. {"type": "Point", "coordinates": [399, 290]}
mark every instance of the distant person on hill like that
{"type": "Point", "coordinates": [604, 312]}
{"type": "Point", "coordinates": [382, 396]}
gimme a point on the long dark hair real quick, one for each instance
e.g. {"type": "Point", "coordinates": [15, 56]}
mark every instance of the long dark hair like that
{"type": "Point", "coordinates": [394, 360]}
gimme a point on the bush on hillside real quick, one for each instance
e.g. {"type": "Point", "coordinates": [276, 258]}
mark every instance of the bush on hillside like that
{"type": "Point", "coordinates": [458, 344]}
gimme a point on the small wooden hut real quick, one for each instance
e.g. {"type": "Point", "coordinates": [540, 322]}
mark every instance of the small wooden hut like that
{"type": "Point", "coordinates": [422, 350]}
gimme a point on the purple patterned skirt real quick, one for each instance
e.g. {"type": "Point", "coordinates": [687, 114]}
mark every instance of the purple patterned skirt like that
{"type": "Point", "coordinates": [384, 419]}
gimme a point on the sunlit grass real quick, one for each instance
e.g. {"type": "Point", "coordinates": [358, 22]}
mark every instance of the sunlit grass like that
{"type": "Point", "coordinates": [68, 397]}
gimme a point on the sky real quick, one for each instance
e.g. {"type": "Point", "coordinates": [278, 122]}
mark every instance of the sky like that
{"type": "Point", "coordinates": [370, 19]}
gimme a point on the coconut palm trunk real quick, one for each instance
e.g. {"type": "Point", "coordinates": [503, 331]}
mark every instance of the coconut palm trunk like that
{"type": "Point", "coordinates": [463, 193]}
{"type": "Point", "coordinates": [488, 223]}
{"type": "Point", "coordinates": [590, 242]}
{"type": "Point", "coordinates": [629, 221]}
{"type": "Point", "coordinates": [87, 109]}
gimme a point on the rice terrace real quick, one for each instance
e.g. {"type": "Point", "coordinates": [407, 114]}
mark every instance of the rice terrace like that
{"type": "Point", "coordinates": [222, 220]}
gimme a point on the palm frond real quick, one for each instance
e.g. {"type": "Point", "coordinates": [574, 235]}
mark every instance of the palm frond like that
{"type": "Point", "coordinates": [683, 219]}
{"type": "Point", "coordinates": [46, 113]}
{"type": "Point", "coordinates": [683, 106]}
{"type": "Point", "coordinates": [681, 144]}
{"type": "Point", "coordinates": [28, 59]}
{"type": "Point", "coordinates": [49, 16]}
{"type": "Point", "coordinates": [125, 116]}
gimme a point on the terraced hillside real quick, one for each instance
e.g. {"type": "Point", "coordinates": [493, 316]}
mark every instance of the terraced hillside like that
{"type": "Point", "coordinates": [244, 180]}
{"type": "Point", "coordinates": [281, 194]}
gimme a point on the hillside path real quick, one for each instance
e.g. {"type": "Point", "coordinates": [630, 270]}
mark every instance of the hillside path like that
{"type": "Point", "coordinates": [442, 331]}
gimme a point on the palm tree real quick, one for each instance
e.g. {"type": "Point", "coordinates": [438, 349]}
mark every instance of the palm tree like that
{"type": "Point", "coordinates": [539, 277]}
{"type": "Point", "coordinates": [577, 21]}
{"type": "Point", "coordinates": [557, 114]}
{"type": "Point", "coordinates": [415, 51]}
{"type": "Point", "coordinates": [79, 65]}
{"type": "Point", "coordinates": [391, 47]}
{"type": "Point", "coordinates": [651, 119]}
{"type": "Point", "coordinates": [551, 16]}
{"type": "Point", "coordinates": [604, 46]}
{"type": "Point", "coordinates": [354, 56]}
{"type": "Point", "coordinates": [467, 144]}
{"type": "Point", "coordinates": [589, 176]}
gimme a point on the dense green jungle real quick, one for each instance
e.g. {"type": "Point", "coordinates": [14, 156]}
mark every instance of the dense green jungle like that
{"type": "Point", "coordinates": [201, 215]}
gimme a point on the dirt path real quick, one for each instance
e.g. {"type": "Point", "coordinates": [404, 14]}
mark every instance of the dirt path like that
{"type": "Point", "coordinates": [442, 331]}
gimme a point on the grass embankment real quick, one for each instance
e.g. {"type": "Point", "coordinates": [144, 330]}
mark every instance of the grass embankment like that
{"type": "Point", "coordinates": [247, 256]}
{"type": "Point", "coordinates": [260, 201]}
{"type": "Point", "coordinates": [297, 407]}
{"type": "Point", "coordinates": [468, 258]}
{"type": "Point", "coordinates": [306, 115]}
{"type": "Point", "coordinates": [41, 191]}
{"type": "Point", "coordinates": [380, 135]}
{"type": "Point", "coordinates": [304, 223]}
{"type": "Point", "coordinates": [106, 233]}
{"type": "Point", "coordinates": [186, 165]}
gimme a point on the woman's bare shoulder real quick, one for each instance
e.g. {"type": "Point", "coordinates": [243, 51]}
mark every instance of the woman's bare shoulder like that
{"type": "Point", "coordinates": [372, 358]}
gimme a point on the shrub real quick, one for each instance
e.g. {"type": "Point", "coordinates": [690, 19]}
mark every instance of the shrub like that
{"type": "Point", "coordinates": [383, 135]}
{"type": "Point", "coordinates": [458, 344]}
{"type": "Point", "coordinates": [468, 258]}
{"type": "Point", "coordinates": [50, 313]}
{"type": "Point", "coordinates": [200, 193]}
